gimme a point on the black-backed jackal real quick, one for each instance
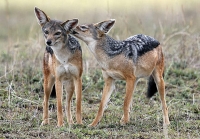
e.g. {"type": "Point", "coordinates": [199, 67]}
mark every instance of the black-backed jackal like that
{"type": "Point", "coordinates": [136, 57]}
{"type": "Point", "coordinates": [62, 66]}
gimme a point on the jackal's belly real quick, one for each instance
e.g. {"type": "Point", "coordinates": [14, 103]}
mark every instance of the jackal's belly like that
{"type": "Point", "coordinates": [115, 75]}
{"type": "Point", "coordinates": [141, 73]}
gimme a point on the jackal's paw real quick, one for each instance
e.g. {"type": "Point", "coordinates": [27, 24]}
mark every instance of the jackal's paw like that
{"type": "Point", "coordinates": [92, 124]}
{"type": "Point", "coordinates": [70, 122]}
{"type": "Point", "coordinates": [45, 122]}
{"type": "Point", "coordinates": [60, 124]}
{"type": "Point", "coordinates": [123, 121]}
{"type": "Point", "coordinates": [166, 123]}
{"type": "Point", "coordinates": [79, 122]}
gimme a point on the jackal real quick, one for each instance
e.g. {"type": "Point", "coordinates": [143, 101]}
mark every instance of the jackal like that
{"type": "Point", "coordinates": [136, 57]}
{"type": "Point", "coordinates": [62, 66]}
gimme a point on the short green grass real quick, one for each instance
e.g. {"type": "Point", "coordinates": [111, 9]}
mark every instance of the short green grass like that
{"type": "Point", "coordinates": [21, 109]}
{"type": "Point", "coordinates": [174, 23]}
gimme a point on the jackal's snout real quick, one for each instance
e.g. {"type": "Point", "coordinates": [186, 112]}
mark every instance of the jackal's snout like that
{"type": "Point", "coordinates": [51, 40]}
{"type": "Point", "coordinates": [48, 42]}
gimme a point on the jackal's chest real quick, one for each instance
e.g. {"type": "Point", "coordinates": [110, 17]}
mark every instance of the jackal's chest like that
{"type": "Point", "coordinates": [66, 71]}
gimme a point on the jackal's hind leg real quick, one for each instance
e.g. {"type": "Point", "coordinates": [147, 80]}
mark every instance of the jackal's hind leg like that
{"type": "Point", "coordinates": [59, 91]}
{"type": "Point", "coordinates": [158, 77]}
{"type": "Point", "coordinates": [78, 91]}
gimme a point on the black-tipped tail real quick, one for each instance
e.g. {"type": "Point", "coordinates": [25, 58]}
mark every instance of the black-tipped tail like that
{"type": "Point", "coordinates": [53, 92]}
{"type": "Point", "coordinates": [152, 89]}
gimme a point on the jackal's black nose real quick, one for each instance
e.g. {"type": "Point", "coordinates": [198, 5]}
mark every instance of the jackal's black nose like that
{"type": "Point", "coordinates": [48, 42]}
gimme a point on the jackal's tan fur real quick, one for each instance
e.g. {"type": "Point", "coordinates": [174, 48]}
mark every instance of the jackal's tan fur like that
{"type": "Point", "coordinates": [62, 66]}
{"type": "Point", "coordinates": [116, 65]}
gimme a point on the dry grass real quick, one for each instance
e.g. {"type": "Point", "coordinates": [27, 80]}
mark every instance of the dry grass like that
{"type": "Point", "coordinates": [174, 23]}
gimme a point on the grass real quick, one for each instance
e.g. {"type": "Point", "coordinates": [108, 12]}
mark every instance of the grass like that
{"type": "Point", "coordinates": [174, 23]}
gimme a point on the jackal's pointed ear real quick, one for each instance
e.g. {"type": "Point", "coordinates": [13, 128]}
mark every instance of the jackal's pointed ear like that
{"type": "Point", "coordinates": [42, 18]}
{"type": "Point", "coordinates": [70, 24]}
{"type": "Point", "coordinates": [105, 26]}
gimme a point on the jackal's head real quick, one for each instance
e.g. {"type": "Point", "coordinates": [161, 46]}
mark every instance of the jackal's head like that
{"type": "Point", "coordinates": [93, 32]}
{"type": "Point", "coordinates": [55, 32]}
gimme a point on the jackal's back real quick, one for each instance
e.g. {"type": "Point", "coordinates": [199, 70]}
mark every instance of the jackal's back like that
{"type": "Point", "coordinates": [132, 48]}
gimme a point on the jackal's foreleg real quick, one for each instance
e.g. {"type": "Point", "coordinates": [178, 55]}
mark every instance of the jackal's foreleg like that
{"type": "Point", "coordinates": [107, 91]}
{"type": "Point", "coordinates": [48, 85]}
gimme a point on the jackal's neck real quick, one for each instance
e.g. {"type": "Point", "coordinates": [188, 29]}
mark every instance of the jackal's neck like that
{"type": "Point", "coordinates": [105, 43]}
{"type": "Point", "coordinates": [111, 46]}
{"type": "Point", "coordinates": [111, 41]}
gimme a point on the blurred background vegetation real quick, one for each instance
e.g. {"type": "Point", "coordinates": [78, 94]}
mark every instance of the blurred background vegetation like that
{"type": "Point", "coordinates": [175, 23]}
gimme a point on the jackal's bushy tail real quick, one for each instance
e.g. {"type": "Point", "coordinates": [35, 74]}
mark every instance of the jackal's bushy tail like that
{"type": "Point", "coordinates": [152, 89]}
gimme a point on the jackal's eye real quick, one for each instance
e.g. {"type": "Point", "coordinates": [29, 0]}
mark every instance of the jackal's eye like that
{"type": "Point", "coordinates": [46, 32]}
{"type": "Point", "coordinates": [83, 27]}
{"type": "Point", "coordinates": [57, 33]}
